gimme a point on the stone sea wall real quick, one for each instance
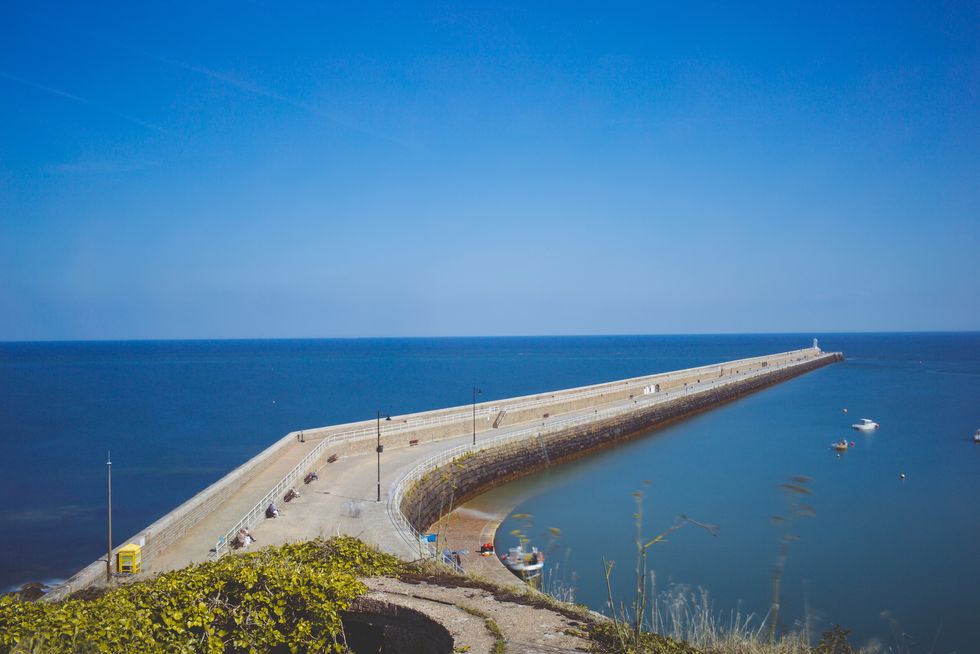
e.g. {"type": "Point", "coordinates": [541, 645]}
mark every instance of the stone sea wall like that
{"type": "Point", "coordinates": [402, 431]}
{"type": "Point", "coordinates": [448, 486]}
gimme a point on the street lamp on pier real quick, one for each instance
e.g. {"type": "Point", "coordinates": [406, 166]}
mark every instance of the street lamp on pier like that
{"type": "Point", "coordinates": [476, 391]}
{"type": "Point", "coordinates": [379, 449]}
{"type": "Point", "coordinates": [108, 558]}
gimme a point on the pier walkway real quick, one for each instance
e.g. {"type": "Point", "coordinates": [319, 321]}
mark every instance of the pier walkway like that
{"type": "Point", "coordinates": [344, 498]}
{"type": "Point", "coordinates": [342, 501]}
{"type": "Point", "coordinates": [197, 543]}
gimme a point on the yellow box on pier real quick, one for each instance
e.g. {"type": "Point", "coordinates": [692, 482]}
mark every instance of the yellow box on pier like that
{"type": "Point", "coordinates": [129, 559]}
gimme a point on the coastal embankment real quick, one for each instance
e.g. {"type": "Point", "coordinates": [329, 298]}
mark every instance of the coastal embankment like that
{"type": "Point", "coordinates": [509, 438]}
{"type": "Point", "coordinates": [431, 499]}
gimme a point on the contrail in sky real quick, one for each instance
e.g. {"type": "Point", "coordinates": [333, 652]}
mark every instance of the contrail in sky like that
{"type": "Point", "coordinates": [244, 85]}
{"type": "Point", "coordinates": [80, 100]}
{"type": "Point", "coordinates": [256, 89]}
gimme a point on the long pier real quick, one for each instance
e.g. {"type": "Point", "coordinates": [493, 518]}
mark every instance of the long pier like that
{"type": "Point", "coordinates": [513, 437]}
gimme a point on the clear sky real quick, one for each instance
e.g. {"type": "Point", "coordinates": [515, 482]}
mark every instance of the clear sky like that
{"type": "Point", "coordinates": [199, 170]}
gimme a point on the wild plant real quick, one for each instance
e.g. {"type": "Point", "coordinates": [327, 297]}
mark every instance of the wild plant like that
{"type": "Point", "coordinates": [556, 583]}
{"type": "Point", "coordinates": [629, 622]}
{"type": "Point", "coordinates": [793, 491]}
{"type": "Point", "coordinates": [684, 622]}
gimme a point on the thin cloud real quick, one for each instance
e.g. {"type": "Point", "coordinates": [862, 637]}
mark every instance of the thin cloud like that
{"type": "Point", "coordinates": [80, 100]}
{"type": "Point", "coordinates": [244, 85]}
{"type": "Point", "coordinates": [261, 91]}
{"type": "Point", "coordinates": [84, 167]}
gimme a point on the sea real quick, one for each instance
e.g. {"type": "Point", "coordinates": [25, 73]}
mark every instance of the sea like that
{"type": "Point", "coordinates": [883, 539]}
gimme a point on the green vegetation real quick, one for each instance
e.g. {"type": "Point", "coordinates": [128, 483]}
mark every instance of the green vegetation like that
{"type": "Point", "coordinates": [499, 643]}
{"type": "Point", "coordinates": [711, 638]}
{"type": "Point", "coordinates": [612, 638]}
{"type": "Point", "coordinates": [683, 624]}
{"type": "Point", "coordinates": [286, 598]}
{"type": "Point", "coordinates": [793, 491]}
{"type": "Point", "coordinates": [628, 631]}
{"type": "Point", "coordinates": [290, 599]}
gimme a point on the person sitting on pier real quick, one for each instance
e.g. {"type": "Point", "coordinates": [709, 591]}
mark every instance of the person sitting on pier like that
{"type": "Point", "coordinates": [291, 494]}
{"type": "Point", "coordinates": [246, 537]}
{"type": "Point", "coordinates": [272, 511]}
{"type": "Point", "coordinates": [243, 539]}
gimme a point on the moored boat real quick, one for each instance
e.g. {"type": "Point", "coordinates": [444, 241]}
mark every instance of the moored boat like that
{"type": "Point", "coordinates": [526, 565]}
{"type": "Point", "coordinates": [840, 446]}
{"type": "Point", "coordinates": [865, 425]}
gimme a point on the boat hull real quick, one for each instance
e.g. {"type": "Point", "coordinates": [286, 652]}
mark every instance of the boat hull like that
{"type": "Point", "coordinates": [526, 572]}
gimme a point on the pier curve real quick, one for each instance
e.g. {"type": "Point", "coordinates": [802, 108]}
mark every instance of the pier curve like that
{"type": "Point", "coordinates": [424, 498]}
{"type": "Point", "coordinates": [526, 433]}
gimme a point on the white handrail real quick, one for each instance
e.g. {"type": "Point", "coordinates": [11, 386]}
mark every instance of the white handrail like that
{"type": "Point", "coordinates": [487, 409]}
{"type": "Point", "coordinates": [397, 491]}
{"type": "Point", "coordinates": [249, 519]}
{"type": "Point", "coordinates": [465, 413]}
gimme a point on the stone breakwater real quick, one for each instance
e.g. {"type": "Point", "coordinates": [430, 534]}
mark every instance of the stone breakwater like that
{"type": "Point", "coordinates": [602, 413]}
{"type": "Point", "coordinates": [441, 489]}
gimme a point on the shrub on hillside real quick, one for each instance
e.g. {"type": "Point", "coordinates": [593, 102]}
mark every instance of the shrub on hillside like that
{"type": "Point", "coordinates": [284, 598]}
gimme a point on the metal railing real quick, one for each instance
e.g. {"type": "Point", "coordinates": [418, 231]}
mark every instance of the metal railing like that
{"type": "Point", "coordinates": [396, 493]}
{"type": "Point", "coordinates": [485, 411]}
{"type": "Point", "coordinates": [626, 384]}
{"type": "Point", "coordinates": [550, 425]}
{"type": "Point", "coordinates": [249, 519]}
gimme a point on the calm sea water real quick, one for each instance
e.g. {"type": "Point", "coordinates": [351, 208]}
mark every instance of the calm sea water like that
{"type": "Point", "coordinates": [893, 560]}
{"type": "Point", "coordinates": [177, 415]}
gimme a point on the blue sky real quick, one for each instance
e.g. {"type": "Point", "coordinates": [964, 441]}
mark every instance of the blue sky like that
{"type": "Point", "coordinates": [246, 170]}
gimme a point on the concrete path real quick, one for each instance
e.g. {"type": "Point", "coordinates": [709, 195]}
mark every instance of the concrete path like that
{"type": "Point", "coordinates": [344, 499]}
{"type": "Point", "coordinates": [194, 546]}
{"type": "Point", "coordinates": [463, 613]}
{"type": "Point", "coordinates": [344, 502]}
{"type": "Point", "coordinates": [468, 527]}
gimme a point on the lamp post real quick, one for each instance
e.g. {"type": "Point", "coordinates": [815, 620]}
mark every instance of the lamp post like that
{"type": "Point", "coordinates": [379, 449]}
{"type": "Point", "coordinates": [108, 558]}
{"type": "Point", "coordinates": [476, 391]}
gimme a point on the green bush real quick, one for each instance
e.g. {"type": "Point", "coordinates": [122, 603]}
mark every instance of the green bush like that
{"type": "Point", "coordinates": [285, 599]}
{"type": "Point", "coordinates": [609, 638]}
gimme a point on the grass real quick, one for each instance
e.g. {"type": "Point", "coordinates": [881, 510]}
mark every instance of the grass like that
{"type": "Point", "coordinates": [675, 623]}
{"type": "Point", "coordinates": [432, 572]}
{"type": "Point", "coordinates": [499, 643]}
{"type": "Point", "coordinates": [683, 623]}
{"type": "Point", "coordinates": [688, 624]}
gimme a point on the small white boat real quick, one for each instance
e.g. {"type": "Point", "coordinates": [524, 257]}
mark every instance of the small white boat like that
{"type": "Point", "coordinates": [976, 436]}
{"type": "Point", "coordinates": [865, 425]}
{"type": "Point", "coordinates": [526, 565]}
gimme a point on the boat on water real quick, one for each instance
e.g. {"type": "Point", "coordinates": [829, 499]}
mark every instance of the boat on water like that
{"type": "Point", "coordinates": [976, 436]}
{"type": "Point", "coordinates": [524, 564]}
{"type": "Point", "coordinates": [865, 424]}
{"type": "Point", "coordinates": [841, 445]}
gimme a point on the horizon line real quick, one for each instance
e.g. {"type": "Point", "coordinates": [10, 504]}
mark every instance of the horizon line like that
{"type": "Point", "coordinates": [813, 334]}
